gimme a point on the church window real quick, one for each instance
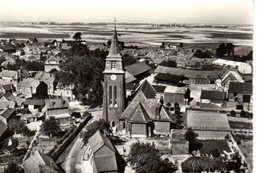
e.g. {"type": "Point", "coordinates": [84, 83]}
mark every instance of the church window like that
{"type": "Point", "coordinates": [115, 96]}
{"type": "Point", "coordinates": [113, 64]}
{"type": "Point", "coordinates": [110, 96]}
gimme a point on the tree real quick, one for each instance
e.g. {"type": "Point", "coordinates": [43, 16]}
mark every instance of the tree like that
{"type": "Point", "coordinates": [13, 168]}
{"type": "Point", "coordinates": [51, 127]}
{"type": "Point", "coordinates": [232, 113]}
{"type": "Point", "coordinates": [191, 136]}
{"type": "Point", "coordinates": [128, 60]}
{"type": "Point", "coordinates": [77, 36]}
{"type": "Point", "coordinates": [230, 49]}
{"type": "Point", "coordinates": [221, 50]}
{"type": "Point", "coordinates": [177, 109]}
{"type": "Point", "coordinates": [101, 125]}
{"type": "Point", "coordinates": [145, 158]}
{"type": "Point", "coordinates": [17, 126]}
{"type": "Point", "coordinates": [168, 63]}
{"type": "Point", "coordinates": [84, 70]}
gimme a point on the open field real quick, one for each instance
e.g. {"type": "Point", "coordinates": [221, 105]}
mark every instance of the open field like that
{"type": "Point", "coordinates": [141, 34]}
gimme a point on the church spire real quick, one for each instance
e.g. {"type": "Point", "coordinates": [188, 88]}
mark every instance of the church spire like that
{"type": "Point", "coordinates": [114, 47]}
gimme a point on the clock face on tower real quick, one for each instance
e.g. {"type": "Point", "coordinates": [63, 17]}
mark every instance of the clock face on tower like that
{"type": "Point", "coordinates": [113, 77]}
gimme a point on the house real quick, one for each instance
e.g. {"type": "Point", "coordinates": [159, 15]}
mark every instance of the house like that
{"type": "Point", "coordinates": [3, 129]}
{"type": "Point", "coordinates": [33, 104]}
{"type": "Point", "coordinates": [47, 78]}
{"type": "Point", "coordinates": [63, 91]}
{"type": "Point", "coordinates": [193, 76]}
{"type": "Point", "coordinates": [8, 114]}
{"type": "Point", "coordinates": [7, 88]}
{"type": "Point", "coordinates": [169, 79]}
{"type": "Point", "coordinates": [208, 124]}
{"type": "Point", "coordinates": [241, 93]}
{"type": "Point", "coordinates": [12, 98]}
{"type": "Point", "coordinates": [144, 115]}
{"type": "Point", "coordinates": [139, 70]}
{"type": "Point", "coordinates": [52, 63]}
{"type": "Point", "coordinates": [173, 94]}
{"type": "Point", "coordinates": [6, 104]}
{"type": "Point", "coordinates": [27, 87]}
{"type": "Point", "coordinates": [212, 98]}
{"type": "Point", "coordinates": [242, 67]}
{"type": "Point", "coordinates": [37, 161]}
{"type": "Point", "coordinates": [229, 75]}
{"type": "Point", "coordinates": [8, 48]}
{"type": "Point", "coordinates": [58, 108]}
{"type": "Point", "coordinates": [101, 153]}
{"type": "Point", "coordinates": [10, 76]}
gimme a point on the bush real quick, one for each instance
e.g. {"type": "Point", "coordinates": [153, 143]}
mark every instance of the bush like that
{"type": "Point", "coordinates": [232, 113]}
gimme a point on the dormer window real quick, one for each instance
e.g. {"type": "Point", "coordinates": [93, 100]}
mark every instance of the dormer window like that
{"type": "Point", "coordinates": [113, 64]}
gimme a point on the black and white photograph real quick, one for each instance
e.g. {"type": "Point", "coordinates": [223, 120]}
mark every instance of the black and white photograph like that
{"type": "Point", "coordinates": [120, 86]}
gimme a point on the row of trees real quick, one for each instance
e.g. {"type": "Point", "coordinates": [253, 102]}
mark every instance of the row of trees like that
{"type": "Point", "coordinates": [26, 65]}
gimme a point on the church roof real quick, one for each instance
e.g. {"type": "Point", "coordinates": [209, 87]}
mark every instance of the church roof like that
{"type": "Point", "coordinates": [139, 115]}
{"type": "Point", "coordinates": [114, 48]}
{"type": "Point", "coordinates": [164, 115]}
{"type": "Point", "coordinates": [147, 89]}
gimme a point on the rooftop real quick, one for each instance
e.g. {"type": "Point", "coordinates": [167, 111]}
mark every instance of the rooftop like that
{"type": "Point", "coordinates": [213, 95]}
{"type": "Point", "coordinates": [239, 87]}
{"type": "Point", "coordinates": [207, 121]}
{"type": "Point", "coordinates": [137, 68]}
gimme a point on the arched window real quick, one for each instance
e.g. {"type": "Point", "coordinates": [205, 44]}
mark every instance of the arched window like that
{"type": "Point", "coordinates": [115, 96]}
{"type": "Point", "coordinates": [110, 96]}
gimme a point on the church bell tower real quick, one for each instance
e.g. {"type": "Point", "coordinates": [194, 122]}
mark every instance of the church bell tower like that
{"type": "Point", "coordinates": [113, 87]}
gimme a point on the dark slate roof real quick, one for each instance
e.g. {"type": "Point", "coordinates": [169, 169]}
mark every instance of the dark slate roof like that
{"type": "Point", "coordinates": [239, 87]}
{"type": "Point", "coordinates": [165, 115]}
{"type": "Point", "coordinates": [130, 86]}
{"type": "Point", "coordinates": [139, 115]}
{"type": "Point", "coordinates": [170, 77]}
{"type": "Point", "coordinates": [189, 73]}
{"type": "Point", "coordinates": [7, 113]}
{"type": "Point", "coordinates": [8, 87]}
{"type": "Point", "coordinates": [159, 88]}
{"type": "Point", "coordinates": [3, 128]}
{"type": "Point", "coordinates": [38, 102]}
{"type": "Point", "coordinates": [137, 68]}
{"type": "Point", "coordinates": [213, 95]}
{"type": "Point", "coordinates": [147, 89]}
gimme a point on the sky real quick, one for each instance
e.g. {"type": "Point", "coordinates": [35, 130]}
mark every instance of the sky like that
{"type": "Point", "coordinates": [132, 11]}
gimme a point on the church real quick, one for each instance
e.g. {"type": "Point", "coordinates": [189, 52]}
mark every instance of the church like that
{"type": "Point", "coordinates": [145, 114]}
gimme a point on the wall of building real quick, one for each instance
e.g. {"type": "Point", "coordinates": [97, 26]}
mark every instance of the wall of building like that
{"type": "Point", "coordinates": [139, 129]}
{"type": "Point", "coordinates": [161, 127]}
